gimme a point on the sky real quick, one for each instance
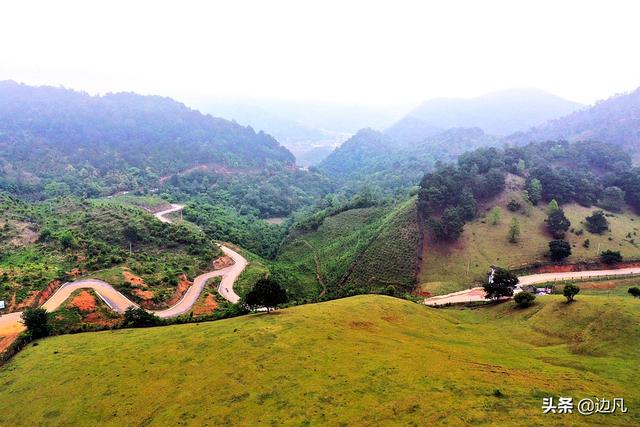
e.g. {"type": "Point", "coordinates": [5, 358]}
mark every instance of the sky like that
{"type": "Point", "coordinates": [351, 52]}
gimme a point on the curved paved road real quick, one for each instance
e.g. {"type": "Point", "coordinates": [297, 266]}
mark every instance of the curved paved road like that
{"type": "Point", "coordinates": [11, 324]}
{"type": "Point", "coordinates": [477, 294]}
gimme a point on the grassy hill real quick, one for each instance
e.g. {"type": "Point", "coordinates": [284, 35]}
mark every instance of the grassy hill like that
{"type": "Point", "coordinates": [366, 249]}
{"type": "Point", "coordinates": [365, 360]}
{"type": "Point", "coordinates": [448, 267]}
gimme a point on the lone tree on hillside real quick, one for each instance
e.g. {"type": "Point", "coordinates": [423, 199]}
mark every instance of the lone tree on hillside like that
{"type": "Point", "coordinates": [610, 257]}
{"type": "Point", "coordinates": [495, 215]}
{"type": "Point", "coordinates": [558, 224]}
{"type": "Point", "coordinates": [524, 299]}
{"type": "Point", "coordinates": [635, 291]}
{"type": "Point", "coordinates": [514, 230]}
{"type": "Point", "coordinates": [613, 199]}
{"type": "Point", "coordinates": [266, 293]}
{"type": "Point", "coordinates": [570, 291]}
{"type": "Point", "coordinates": [500, 284]}
{"type": "Point", "coordinates": [534, 191]}
{"type": "Point", "coordinates": [597, 223]}
{"type": "Point", "coordinates": [37, 322]}
{"type": "Point", "coordinates": [559, 249]}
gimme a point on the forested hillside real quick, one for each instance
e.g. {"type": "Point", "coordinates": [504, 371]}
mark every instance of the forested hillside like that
{"type": "Point", "coordinates": [372, 158]}
{"type": "Point", "coordinates": [615, 120]}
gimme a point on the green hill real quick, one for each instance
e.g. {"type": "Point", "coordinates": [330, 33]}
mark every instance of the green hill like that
{"type": "Point", "coordinates": [366, 360]}
{"type": "Point", "coordinates": [67, 238]}
{"type": "Point", "coordinates": [358, 250]}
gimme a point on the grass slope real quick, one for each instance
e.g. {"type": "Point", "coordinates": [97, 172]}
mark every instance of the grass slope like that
{"type": "Point", "coordinates": [366, 360]}
{"type": "Point", "coordinates": [450, 267]}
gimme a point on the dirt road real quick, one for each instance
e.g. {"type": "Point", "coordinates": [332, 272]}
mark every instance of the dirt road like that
{"type": "Point", "coordinates": [10, 323]}
{"type": "Point", "coordinates": [477, 294]}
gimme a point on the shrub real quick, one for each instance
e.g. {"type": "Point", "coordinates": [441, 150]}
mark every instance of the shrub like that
{"type": "Point", "coordinates": [37, 322]}
{"type": "Point", "coordinates": [635, 291]}
{"type": "Point", "coordinates": [136, 317]}
{"type": "Point", "coordinates": [597, 223]}
{"type": "Point", "coordinates": [610, 257]}
{"type": "Point", "coordinates": [559, 249]}
{"type": "Point", "coordinates": [570, 291]}
{"type": "Point", "coordinates": [524, 299]}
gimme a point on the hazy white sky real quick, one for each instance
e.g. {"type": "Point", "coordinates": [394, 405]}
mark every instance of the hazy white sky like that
{"type": "Point", "coordinates": [368, 52]}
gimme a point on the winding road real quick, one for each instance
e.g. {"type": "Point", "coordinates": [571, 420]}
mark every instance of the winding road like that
{"type": "Point", "coordinates": [478, 294]}
{"type": "Point", "coordinates": [11, 323]}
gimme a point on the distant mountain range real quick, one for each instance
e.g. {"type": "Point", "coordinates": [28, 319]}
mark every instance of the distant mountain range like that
{"type": "Point", "coordinates": [615, 120]}
{"type": "Point", "coordinates": [497, 113]}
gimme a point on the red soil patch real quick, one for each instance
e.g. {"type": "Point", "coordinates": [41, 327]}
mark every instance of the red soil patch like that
{"type": "Point", "coordinates": [98, 319]}
{"type": "Point", "coordinates": [207, 307]}
{"type": "Point", "coordinates": [419, 293]}
{"type": "Point", "coordinates": [76, 272]}
{"type": "Point", "coordinates": [583, 267]}
{"type": "Point", "coordinates": [144, 295]}
{"type": "Point", "coordinates": [367, 326]}
{"type": "Point", "coordinates": [599, 285]}
{"type": "Point", "coordinates": [222, 262]}
{"type": "Point", "coordinates": [183, 285]}
{"type": "Point", "coordinates": [7, 340]}
{"type": "Point", "coordinates": [84, 301]}
{"type": "Point", "coordinates": [133, 279]}
{"type": "Point", "coordinates": [46, 293]}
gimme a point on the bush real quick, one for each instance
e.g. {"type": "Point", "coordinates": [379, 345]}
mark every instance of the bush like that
{"type": "Point", "coordinates": [524, 299]}
{"type": "Point", "coordinates": [570, 291]}
{"type": "Point", "coordinates": [610, 257]}
{"type": "Point", "coordinates": [136, 317]}
{"type": "Point", "coordinates": [559, 249]}
{"type": "Point", "coordinates": [635, 291]}
{"type": "Point", "coordinates": [597, 223]}
{"type": "Point", "coordinates": [37, 322]}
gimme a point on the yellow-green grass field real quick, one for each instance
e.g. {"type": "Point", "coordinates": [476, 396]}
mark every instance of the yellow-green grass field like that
{"type": "Point", "coordinates": [365, 360]}
{"type": "Point", "coordinates": [451, 267]}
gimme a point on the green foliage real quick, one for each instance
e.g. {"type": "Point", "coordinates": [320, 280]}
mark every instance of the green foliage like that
{"type": "Point", "coordinates": [610, 257]}
{"type": "Point", "coordinates": [552, 207]}
{"type": "Point", "coordinates": [570, 291]}
{"type": "Point", "coordinates": [495, 215]}
{"type": "Point", "coordinates": [514, 230]}
{"type": "Point", "coordinates": [597, 223]}
{"type": "Point", "coordinates": [501, 284]}
{"type": "Point", "coordinates": [524, 299]}
{"type": "Point", "coordinates": [449, 227]}
{"type": "Point", "coordinates": [514, 205]}
{"type": "Point", "coordinates": [36, 321]}
{"type": "Point", "coordinates": [634, 291]}
{"type": "Point", "coordinates": [613, 199]}
{"type": "Point", "coordinates": [557, 223]}
{"type": "Point", "coordinates": [534, 191]}
{"type": "Point", "coordinates": [135, 317]}
{"type": "Point", "coordinates": [559, 249]}
{"type": "Point", "coordinates": [266, 293]}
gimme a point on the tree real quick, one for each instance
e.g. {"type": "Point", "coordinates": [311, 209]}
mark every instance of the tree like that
{"type": "Point", "coordinates": [266, 293]}
{"type": "Point", "coordinates": [612, 199]}
{"type": "Point", "coordinates": [635, 291]}
{"type": "Point", "coordinates": [56, 189]}
{"type": "Point", "coordinates": [597, 223]}
{"type": "Point", "coordinates": [559, 249]}
{"type": "Point", "coordinates": [137, 317]}
{"type": "Point", "coordinates": [552, 207]}
{"type": "Point", "coordinates": [500, 284]}
{"type": "Point", "coordinates": [37, 322]}
{"type": "Point", "coordinates": [514, 205]}
{"type": "Point", "coordinates": [570, 291]}
{"type": "Point", "coordinates": [534, 191]}
{"type": "Point", "coordinates": [610, 257]}
{"type": "Point", "coordinates": [449, 227]}
{"type": "Point", "coordinates": [514, 230]}
{"type": "Point", "coordinates": [558, 224]}
{"type": "Point", "coordinates": [524, 299]}
{"type": "Point", "coordinates": [494, 215]}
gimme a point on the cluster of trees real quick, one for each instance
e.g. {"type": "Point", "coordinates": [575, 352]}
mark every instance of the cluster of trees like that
{"type": "Point", "coordinates": [449, 195]}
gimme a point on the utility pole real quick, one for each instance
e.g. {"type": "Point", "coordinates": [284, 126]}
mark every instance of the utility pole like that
{"type": "Point", "coordinates": [129, 248]}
